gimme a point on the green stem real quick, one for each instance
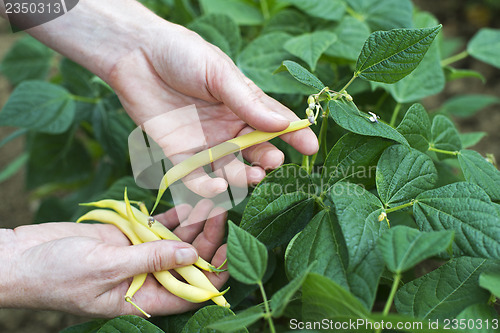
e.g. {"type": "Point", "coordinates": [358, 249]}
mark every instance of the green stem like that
{"type": "Point", "coordinates": [348, 83]}
{"type": "Point", "coordinates": [266, 306]}
{"type": "Point", "coordinates": [388, 304]}
{"type": "Point", "coordinates": [395, 114]}
{"type": "Point", "coordinates": [265, 9]}
{"type": "Point", "coordinates": [85, 99]}
{"type": "Point", "coordinates": [390, 210]}
{"type": "Point", "coordinates": [455, 58]}
{"type": "Point", "coordinates": [442, 151]}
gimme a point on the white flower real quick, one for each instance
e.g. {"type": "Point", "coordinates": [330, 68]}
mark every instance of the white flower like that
{"type": "Point", "coordinates": [374, 118]}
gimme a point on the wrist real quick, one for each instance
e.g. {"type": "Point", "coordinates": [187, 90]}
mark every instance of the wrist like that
{"type": "Point", "coordinates": [97, 34]}
{"type": "Point", "coordinates": [8, 285]}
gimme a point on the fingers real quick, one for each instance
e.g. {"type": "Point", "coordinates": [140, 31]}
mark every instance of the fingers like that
{"type": "Point", "coordinates": [173, 217]}
{"type": "Point", "coordinates": [193, 225]}
{"type": "Point", "coordinates": [226, 83]}
{"type": "Point", "coordinates": [154, 257]}
{"type": "Point", "coordinates": [238, 173]}
{"type": "Point", "coordinates": [212, 236]}
{"type": "Point", "coordinates": [218, 280]}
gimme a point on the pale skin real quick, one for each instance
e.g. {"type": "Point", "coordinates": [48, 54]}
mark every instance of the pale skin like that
{"type": "Point", "coordinates": [154, 66]}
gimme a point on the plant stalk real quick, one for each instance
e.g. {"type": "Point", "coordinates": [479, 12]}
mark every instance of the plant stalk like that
{"type": "Point", "coordinates": [266, 306]}
{"type": "Point", "coordinates": [395, 114]}
{"type": "Point", "coordinates": [442, 151]}
{"type": "Point", "coordinates": [454, 58]}
{"type": "Point", "coordinates": [390, 210]}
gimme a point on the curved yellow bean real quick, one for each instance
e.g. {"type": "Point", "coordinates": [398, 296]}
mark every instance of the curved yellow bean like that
{"type": "Point", "coordinates": [229, 147]}
{"type": "Point", "coordinates": [158, 228]}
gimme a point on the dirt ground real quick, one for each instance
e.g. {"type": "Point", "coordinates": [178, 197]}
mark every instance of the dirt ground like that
{"type": "Point", "coordinates": [460, 18]}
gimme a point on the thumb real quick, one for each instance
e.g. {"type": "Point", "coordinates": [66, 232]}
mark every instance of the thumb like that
{"type": "Point", "coordinates": [244, 98]}
{"type": "Point", "coordinates": [156, 256]}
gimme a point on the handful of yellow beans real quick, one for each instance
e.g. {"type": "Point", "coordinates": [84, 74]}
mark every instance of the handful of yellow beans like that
{"type": "Point", "coordinates": [139, 227]}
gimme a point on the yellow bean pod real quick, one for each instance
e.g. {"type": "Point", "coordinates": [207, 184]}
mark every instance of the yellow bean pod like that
{"type": "Point", "coordinates": [229, 147]}
{"type": "Point", "coordinates": [158, 228]}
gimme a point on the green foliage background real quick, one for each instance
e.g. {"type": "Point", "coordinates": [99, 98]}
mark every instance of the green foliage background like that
{"type": "Point", "coordinates": [334, 236]}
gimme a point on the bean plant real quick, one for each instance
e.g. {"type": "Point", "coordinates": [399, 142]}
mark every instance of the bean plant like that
{"type": "Point", "coordinates": [395, 220]}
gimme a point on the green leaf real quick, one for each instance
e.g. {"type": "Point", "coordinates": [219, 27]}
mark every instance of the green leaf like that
{"type": "Point", "coordinates": [466, 209]}
{"type": "Point", "coordinates": [416, 127]}
{"type": "Point", "coordinates": [28, 59]}
{"type": "Point", "coordinates": [332, 10]}
{"type": "Point", "coordinates": [261, 57]}
{"type": "Point", "coordinates": [280, 206]}
{"type": "Point", "coordinates": [468, 105]}
{"type": "Point", "coordinates": [239, 321]}
{"type": "Point", "coordinates": [351, 35]}
{"type": "Point", "coordinates": [220, 30]}
{"type": "Point", "coordinates": [479, 171]}
{"type": "Point", "coordinates": [56, 159]}
{"type": "Point", "coordinates": [446, 291]}
{"type": "Point", "coordinates": [310, 46]}
{"type": "Point", "coordinates": [357, 212]}
{"type": "Point", "coordinates": [12, 136]}
{"type": "Point", "coordinates": [323, 298]}
{"type": "Point", "coordinates": [206, 316]}
{"type": "Point", "coordinates": [301, 74]}
{"type": "Point", "coordinates": [289, 21]}
{"type": "Point", "coordinates": [39, 106]}
{"type": "Point", "coordinates": [428, 78]}
{"type": "Point", "coordinates": [490, 281]}
{"type": "Point", "coordinates": [347, 116]}
{"type": "Point", "coordinates": [402, 174]}
{"type": "Point", "coordinates": [478, 318]}
{"type": "Point", "coordinates": [471, 139]}
{"type": "Point", "coordinates": [282, 297]}
{"type": "Point", "coordinates": [403, 247]}
{"type": "Point", "coordinates": [77, 79]}
{"type": "Point", "coordinates": [383, 14]}
{"type": "Point", "coordinates": [485, 46]}
{"type": "Point", "coordinates": [247, 257]}
{"type": "Point", "coordinates": [389, 56]}
{"type": "Point", "coordinates": [354, 159]}
{"type": "Point", "coordinates": [452, 73]}
{"type": "Point", "coordinates": [129, 324]}
{"type": "Point", "coordinates": [240, 11]}
{"type": "Point", "coordinates": [321, 242]}
{"type": "Point", "coordinates": [13, 167]}
{"type": "Point", "coordinates": [444, 135]}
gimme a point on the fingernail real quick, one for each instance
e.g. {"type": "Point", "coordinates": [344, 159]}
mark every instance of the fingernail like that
{"type": "Point", "coordinates": [185, 256]}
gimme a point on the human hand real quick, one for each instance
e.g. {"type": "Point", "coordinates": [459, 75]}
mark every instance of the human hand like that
{"type": "Point", "coordinates": [86, 268]}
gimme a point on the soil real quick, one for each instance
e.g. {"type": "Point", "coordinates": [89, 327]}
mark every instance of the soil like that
{"type": "Point", "coordinates": [459, 18]}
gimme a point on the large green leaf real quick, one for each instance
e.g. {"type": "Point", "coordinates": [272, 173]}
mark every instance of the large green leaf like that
{"type": "Point", "coordinates": [479, 171]}
{"type": "Point", "coordinates": [206, 316]}
{"type": "Point", "coordinates": [383, 14]}
{"type": "Point", "coordinates": [351, 35]}
{"type": "Point", "coordinates": [261, 57]}
{"type": "Point", "coordinates": [357, 212]}
{"type": "Point", "coordinates": [478, 318]}
{"type": "Point", "coordinates": [246, 256]}
{"type": "Point", "coordinates": [347, 116]}
{"type": "Point", "coordinates": [77, 79]}
{"type": "Point", "coordinates": [470, 139]}
{"type": "Point", "coordinates": [28, 59]}
{"type": "Point", "coordinates": [310, 46]}
{"type": "Point", "coordinates": [466, 209]}
{"type": "Point", "coordinates": [87, 327]}
{"type": "Point", "coordinates": [321, 242]}
{"type": "Point", "coordinates": [129, 324]}
{"type": "Point", "coordinates": [280, 206]}
{"type": "Point", "coordinates": [444, 135]}
{"type": "Point", "coordinates": [402, 174]}
{"type": "Point", "coordinates": [323, 298]}
{"type": "Point", "coordinates": [39, 106]}
{"type": "Point", "coordinates": [289, 21]}
{"type": "Point", "coordinates": [403, 247]}
{"type": "Point", "coordinates": [389, 56]}
{"type": "Point", "coordinates": [220, 30]}
{"type": "Point", "coordinates": [239, 321]}
{"type": "Point", "coordinates": [354, 159]}
{"type": "Point", "coordinates": [446, 291]}
{"type": "Point", "coordinates": [485, 46]}
{"type": "Point", "coordinates": [468, 105]}
{"type": "Point", "coordinates": [491, 281]}
{"type": "Point", "coordinates": [428, 78]}
{"type": "Point", "coordinates": [332, 10]}
{"type": "Point", "coordinates": [13, 167]}
{"type": "Point", "coordinates": [416, 127]}
{"type": "Point", "coordinates": [301, 74]}
{"type": "Point", "coordinates": [240, 11]}
{"type": "Point", "coordinates": [282, 297]}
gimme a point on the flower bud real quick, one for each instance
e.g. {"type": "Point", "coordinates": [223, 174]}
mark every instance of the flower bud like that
{"type": "Point", "coordinates": [382, 216]}
{"type": "Point", "coordinates": [311, 100]}
{"type": "Point", "coordinates": [309, 112]}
